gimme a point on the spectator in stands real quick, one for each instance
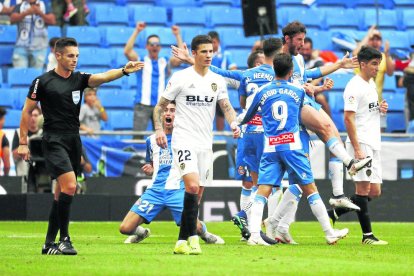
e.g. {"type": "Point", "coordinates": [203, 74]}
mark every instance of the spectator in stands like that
{"type": "Point", "coordinates": [51, 58]}
{"type": "Point", "coordinates": [4, 144]}
{"type": "Point", "coordinates": [73, 12]}
{"type": "Point", "coordinates": [221, 59]}
{"type": "Point", "coordinates": [91, 112]}
{"type": "Point", "coordinates": [408, 82]}
{"type": "Point", "coordinates": [5, 9]}
{"type": "Point", "coordinates": [312, 60]}
{"type": "Point", "coordinates": [150, 80]}
{"type": "Point", "coordinates": [373, 38]}
{"type": "Point", "coordinates": [32, 17]}
{"type": "Point", "coordinates": [34, 130]}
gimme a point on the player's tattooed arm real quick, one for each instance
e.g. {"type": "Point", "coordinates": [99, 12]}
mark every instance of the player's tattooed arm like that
{"type": "Point", "coordinates": [160, 136]}
{"type": "Point", "coordinates": [230, 116]}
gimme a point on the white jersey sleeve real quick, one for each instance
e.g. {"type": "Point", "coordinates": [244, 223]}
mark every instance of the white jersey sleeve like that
{"type": "Point", "coordinates": [352, 96]}
{"type": "Point", "coordinates": [173, 88]}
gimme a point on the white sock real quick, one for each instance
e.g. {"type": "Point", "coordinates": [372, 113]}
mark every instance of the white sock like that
{"type": "Point", "coordinates": [244, 197]}
{"type": "Point", "coordinates": [273, 201]}
{"type": "Point", "coordinates": [248, 207]}
{"type": "Point", "coordinates": [257, 214]}
{"type": "Point", "coordinates": [289, 217]}
{"type": "Point", "coordinates": [319, 211]}
{"type": "Point", "coordinates": [139, 231]}
{"type": "Point", "coordinates": [290, 197]}
{"type": "Point", "coordinates": [336, 173]}
{"type": "Point", "coordinates": [338, 149]}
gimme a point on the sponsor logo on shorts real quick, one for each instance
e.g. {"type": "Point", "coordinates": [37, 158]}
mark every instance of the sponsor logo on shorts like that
{"type": "Point", "coordinates": [256, 120]}
{"type": "Point", "coordinates": [284, 138]}
{"type": "Point", "coordinates": [241, 170]}
{"type": "Point", "coordinates": [214, 87]}
{"type": "Point", "coordinates": [182, 166]}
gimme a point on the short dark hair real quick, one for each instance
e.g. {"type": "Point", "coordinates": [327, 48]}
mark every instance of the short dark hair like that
{"type": "Point", "coordinates": [200, 39]}
{"type": "Point", "coordinates": [251, 60]}
{"type": "Point", "coordinates": [52, 41]}
{"type": "Point", "coordinates": [309, 40]}
{"type": "Point", "coordinates": [2, 112]}
{"type": "Point", "coordinates": [292, 29]}
{"type": "Point", "coordinates": [282, 64]}
{"type": "Point", "coordinates": [151, 36]}
{"type": "Point", "coordinates": [368, 53]}
{"type": "Point", "coordinates": [214, 35]}
{"type": "Point", "coordinates": [61, 43]}
{"type": "Point", "coordinates": [271, 46]}
{"type": "Point", "coordinates": [173, 102]}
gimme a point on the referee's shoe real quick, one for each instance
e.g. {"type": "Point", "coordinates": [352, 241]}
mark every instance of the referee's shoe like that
{"type": "Point", "coordinates": [66, 248]}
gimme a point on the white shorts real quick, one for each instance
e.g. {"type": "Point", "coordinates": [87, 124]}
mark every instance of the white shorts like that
{"type": "Point", "coordinates": [373, 173]}
{"type": "Point", "coordinates": [195, 161]}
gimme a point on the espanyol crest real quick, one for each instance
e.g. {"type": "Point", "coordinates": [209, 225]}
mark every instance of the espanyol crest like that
{"type": "Point", "coordinates": [76, 96]}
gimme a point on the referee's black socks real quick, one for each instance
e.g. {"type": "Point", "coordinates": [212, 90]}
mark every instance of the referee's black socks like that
{"type": "Point", "coordinates": [64, 203]}
{"type": "Point", "coordinates": [53, 226]}
{"type": "Point", "coordinates": [189, 216]}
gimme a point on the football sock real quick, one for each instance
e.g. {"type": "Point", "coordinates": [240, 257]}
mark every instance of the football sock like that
{"type": "Point", "coordinates": [338, 149]}
{"type": "Point", "coordinates": [191, 207]}
{"type": "Point", "coordinates": [203, 229]}
{"type": "Point", "coordinates": [336, 173]}
{"type": "Point", "coordinates": [64, 203]}
{"type": "Point", "coordinates": [273, 201]}
{"type": "Point", "coordinates": [319, 211]}
{"type": "Point", "coordinates": [363, 215]}
{"type": "Point", "coordinates": [287, 206]}
{"type": "Point", "coordinates": [257, 214]}
{"type": "Point", "coordinates": [53, 226]}
{"type": "Point", "coordinates": [139, 231]}
{"type": "Point", "coordinates": [244, 197]}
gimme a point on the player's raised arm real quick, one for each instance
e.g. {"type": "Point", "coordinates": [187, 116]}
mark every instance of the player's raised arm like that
{"type": "Point", "coordinates": [113, 74]}
{"type": "Point", "coordinates": [160, 136]}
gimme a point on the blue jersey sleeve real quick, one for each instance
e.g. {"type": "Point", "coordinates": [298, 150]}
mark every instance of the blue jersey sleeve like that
{"type": "Point", "coordinates": [148, 155]}
{"type": "Point", "coordinates": [231, 74]}
{"type": "Point", "coordinates": [254, 107]}
{"type": "Point", "coordinates": [314, 73]}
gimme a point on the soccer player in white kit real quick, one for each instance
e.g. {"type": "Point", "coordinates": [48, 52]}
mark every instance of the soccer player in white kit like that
{"type": "Point", "coordinates": [362, 114]}
{"type": "Point", "coordinates": [196, 90]}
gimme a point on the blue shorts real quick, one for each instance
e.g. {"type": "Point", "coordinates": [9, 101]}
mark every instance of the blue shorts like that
{"type": "Point", "coordinates": [274, 164]}
{"type": "Point", "coordinates": [242, 173]}
{"type": "Point", "coordinates": [308, 100]}
{"type": "Point", "coordinates": [253, 150]}
{"type": "Point", "coordinates": [152, 202]}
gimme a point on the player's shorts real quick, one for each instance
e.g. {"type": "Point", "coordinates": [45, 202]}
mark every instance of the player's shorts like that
{"type": "Point", "coordinates": [305, 140]}
{"type": "Point", "coordinates": [153, 201]}
{"type": "Point", "coordinates": [253, 150]}
{"type": "Point", "coordinates": [195, 161]}
{"type": "Point", "coordinates": [372, 173]}
{"type": "Point", "coordinates": [242, 172]}
{"type": "Point", "coordinates": [62, 153]}
{"type": "Point", "coordinates": [308, 100]}
{"type": "Point", "coordinates": [274, 164]}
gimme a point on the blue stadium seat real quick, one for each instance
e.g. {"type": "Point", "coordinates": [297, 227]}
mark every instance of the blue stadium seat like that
{"type": "Point", "coordinates": [189, 16]}
{"type": "Point", "coordinates": [118, 36]}
{"type": "Point", "coordinates": [390, 84]}
{"type": "Point", "coordinates": [206, 3]}
{"type": "Point", "coordinates": [188, 33]}
{"type": "Point", "coordinates": [226, 17]}
{"type": "Point", "coordinates": [131, 81]}
{"type": "Point", "coordinates": [6, 55]}
{"type": "Point", "coordinates": [311, 18]}
{"type": "Point", "coordinates": [395, 122]}
{"type": "Point", "coordinates": [398, 39]}
{"type": "Point", "coordinates": [8, 98]}
{"type": "Point", "coordinates": [290, 3]}
{"type": "Point", "coordinates": [403, 4]}
{"type": "Point", "coordinates": [407, 17]}
{"type": "Point", "coordinates": [119, 57]}
{"type": "Point", "coordinates": [117, 99]}
{"type": "Point", "coordinates": [120, 119]}
{"type": "Point", "coordinates": [322, 40]}
{"type": "Point", "coordinates": [234, 39]}
{"type": "Point", "coordinates": [54, 31]}
{"type": "Point", "coordinates": [234, 98]}
{"type": "Point", "coordinates": [343, 19]}
{"type": "Point", "coordinates": [94, 57]}
{"type": "Point", "coordinates": [85, 35]}
{"type": "Point", "coordinates": [8, 34]}
{"type": "Point", "coordinates": [151, 15]}
{"type": "Point", "coordinates": [340, 81]}
{"type": "Point", "coordinates": [387, 19]}
{"type": "Point", "coordinates": [166, 36]}
{"type": "Point", "coordinates": [22, 77]}
{"type": "Point", "coordinates": [21, 95]}
{"type": "Point", "coordinates": [338, 118]}
{"type": "Point", "coordinates": [395, 101]}
{"type": "Point", "coordinates": [240, 58]}
{"type": "Point", "coordinates": [12, 119]}
{"type": "Point", "coordinates": [361, 4]}
{"type": "Point", "coordinates": [135, 2]}
{"type": "Point", "coordinates": [1, 78]}
{"type": "Point", "coordinates": [177, 3]}
{"type": "Point", "coordinates": [108, 15]}
{"type": "Point", "coordinates": [336, 102]}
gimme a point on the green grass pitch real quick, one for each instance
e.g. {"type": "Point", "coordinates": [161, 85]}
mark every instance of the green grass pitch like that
{"type": "Point", "coordinates": [102, 252]}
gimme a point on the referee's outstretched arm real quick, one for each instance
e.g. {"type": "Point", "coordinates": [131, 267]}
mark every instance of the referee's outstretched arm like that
{"type": "Point", "coordinates": [97, 79]}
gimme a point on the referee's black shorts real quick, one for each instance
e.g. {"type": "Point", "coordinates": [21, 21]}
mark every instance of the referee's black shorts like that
{"type": "Point", "coordinates": [62, 153]}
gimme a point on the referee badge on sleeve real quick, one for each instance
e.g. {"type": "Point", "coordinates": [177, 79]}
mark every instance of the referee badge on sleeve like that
{"type": "Point", "coordinates": [76, 96]}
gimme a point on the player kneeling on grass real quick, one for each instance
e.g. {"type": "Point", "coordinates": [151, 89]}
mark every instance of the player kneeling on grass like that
{"type": "Point", "coordinates": [166, 190]}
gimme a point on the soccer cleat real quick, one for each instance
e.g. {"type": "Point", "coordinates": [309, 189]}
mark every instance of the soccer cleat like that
{"type": "Point", "coordinates": [241, 223]}
{"type": "Point", "coordinates": [285, 238]}
{"type": "Point", "coordinates": [194, 245]}
{"type": "Point", "coordinates": [267, 239]}
{"type": "Point", "coordinates": [138, 238]}
{"type": "Point", "coordinates": [50, 249]}
{"type": "Point", "coordinates": [242, 239]}
{"type": "Point", "coordinates": [270, 229]}
{"type": "Point", "coordinates": [257, 241]}
{"type": "Point", "coordinates": [70, 11]}
{"type": "Point", "coordinates": [333, 216]}
{"type": "Point", "coordinates": [337, 235]}
{"type": "Point", "coordinates": [343, 202]}
{"type": "Point", "coordinates": [182, 248]}
{"type": "Point", "coordinates": [66, 248]}
{"type": "Point", "coordinates": [356, 165]}
{"type": "Point", "coordinates": [211, 238]}
{"type": "Point", "coordinates": [372, 240]}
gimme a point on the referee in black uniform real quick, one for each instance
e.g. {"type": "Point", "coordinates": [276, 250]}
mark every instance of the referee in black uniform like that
{"type": "Point", "coordinates": [59, 92]}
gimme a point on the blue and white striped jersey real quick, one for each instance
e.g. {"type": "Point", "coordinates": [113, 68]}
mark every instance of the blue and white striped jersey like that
{"type": "Point", "coordinates": [165, 175]}
{"type": "Point", "coordinates": [280, 102]}
{"type": "Point", "coordinates": [301, 75]}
